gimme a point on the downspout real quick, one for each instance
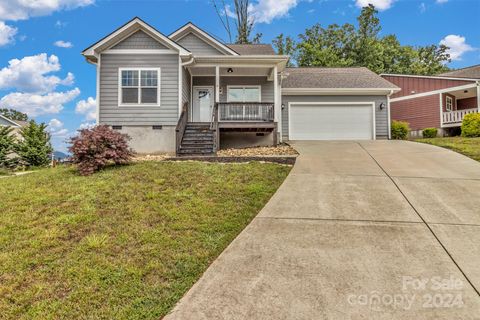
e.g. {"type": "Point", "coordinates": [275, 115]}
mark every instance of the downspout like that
{"type": "Point", "coordinates": [478, 96]}
{"type": "Point", "coordinates": [389, 123]}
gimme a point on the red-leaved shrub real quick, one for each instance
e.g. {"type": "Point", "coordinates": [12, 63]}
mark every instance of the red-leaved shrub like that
{"type": "Point", "coordinates": [95, 148]}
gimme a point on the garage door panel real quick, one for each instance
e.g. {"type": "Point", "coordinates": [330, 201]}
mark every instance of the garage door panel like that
{"type": "Point", "coordinates": [331, 122]}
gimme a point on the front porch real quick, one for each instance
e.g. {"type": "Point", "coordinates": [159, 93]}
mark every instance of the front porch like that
{"type": "Point", "coordinates": [455, 105]}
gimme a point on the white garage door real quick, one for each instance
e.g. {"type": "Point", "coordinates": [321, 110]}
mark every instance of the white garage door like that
{"type": "Point", "coordinates": [331, 121]}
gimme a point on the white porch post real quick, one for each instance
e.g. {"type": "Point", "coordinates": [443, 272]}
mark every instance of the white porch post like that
{"type": "Point", "coordinates": [478, 96]}
{"type": "Point", "coordinates": [276, 106]}
{"type": "Point", "coordinates": [217, 84]}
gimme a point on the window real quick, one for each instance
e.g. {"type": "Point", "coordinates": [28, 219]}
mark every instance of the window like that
{"type": "Point", "coordinates": [448, 103]}
{"type": "Point", "coordinates": [139, 87]}
{"type": "Point", "coordinates": [243, 93]}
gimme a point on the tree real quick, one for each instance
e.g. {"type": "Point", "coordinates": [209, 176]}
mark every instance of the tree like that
{"type": "Point", "coordinates": [7, 142]}
{"type": "Point", "coordinates": [34, 147]}
{"type": "Point", "coordinates": [344, 46]}
{"type": "Point", "coordinates": [14, 114]}
{"type": "Point", "coordinates": [244, 21]}
{"type": "Point", "coordinates": [285, 46]}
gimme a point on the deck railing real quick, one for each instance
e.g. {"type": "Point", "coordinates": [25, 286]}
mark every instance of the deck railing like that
{"type": "Point", "coordinates": [181, 125]}
{"type": "Point", "coordinates": [246, 111]}
{"type": "Point", "coordinates": [451, 117]}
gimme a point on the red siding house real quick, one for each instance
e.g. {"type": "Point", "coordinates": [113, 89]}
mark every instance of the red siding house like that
{"type": "Point", "coordinates": [435, 101]}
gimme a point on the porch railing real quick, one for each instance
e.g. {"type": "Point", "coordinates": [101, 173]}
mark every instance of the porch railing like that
{"type": "Point", "coordinates": [457, 116]}
{"type": "Point", "coordinates": [246, 111]}
{"type": "Point", "coordinates": [181, 125]}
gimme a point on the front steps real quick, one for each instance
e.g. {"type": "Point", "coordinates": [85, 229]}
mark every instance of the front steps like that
{"type": "Point", "coordinates": [198, 140]}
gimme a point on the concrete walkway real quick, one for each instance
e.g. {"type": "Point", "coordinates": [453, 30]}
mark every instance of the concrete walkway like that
{"type": "Point", "coordinates": [369, 230]}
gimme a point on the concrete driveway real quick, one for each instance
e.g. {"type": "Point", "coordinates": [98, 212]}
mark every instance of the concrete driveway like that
{"type": "Point", "coordinates": [359, 230]}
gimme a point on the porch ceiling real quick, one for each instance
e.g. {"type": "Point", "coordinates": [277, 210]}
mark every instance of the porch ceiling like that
{"type": "Point", "coordinates": [237, 71]}
{"type": "Point", "coordinates": [465, 93]}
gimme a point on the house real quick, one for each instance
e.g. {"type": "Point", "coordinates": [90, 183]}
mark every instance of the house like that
{"type": "Point", "coordinates": [16, 125]}
{"type": "Point", "coordinates": [436, 101]}
{"type": "Point", "coordinates": [191, 93]}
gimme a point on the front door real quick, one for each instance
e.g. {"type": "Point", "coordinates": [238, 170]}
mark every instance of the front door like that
{"type": "Point", "coordinates": [202, 104]}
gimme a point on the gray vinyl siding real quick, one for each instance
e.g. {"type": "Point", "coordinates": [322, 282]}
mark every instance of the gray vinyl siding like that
{"type": "Point", "coordinates": [165, 114]}
{"type": "Point", "coordinates": [139, 40]}
{"type": "Point", "coordinates": [267, 86]}
{"type": "Point", "coordinates": [197, 46]}
{"type": "Point", "coordinates": [186, 86]}
{"type": "Point", "coordinates": [4, 122]}
{"type": "Point", "coordinates": [381, 116]}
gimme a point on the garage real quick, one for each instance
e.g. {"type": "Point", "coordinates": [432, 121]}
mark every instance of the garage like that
{"type": "Point", "coordinates": [331, 120]}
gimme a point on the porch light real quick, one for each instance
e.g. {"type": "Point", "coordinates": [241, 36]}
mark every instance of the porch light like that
{"type": "Point", "coordinates": [465, 91]}
{"type": "Point", "coordinates": [382, 106]}
{"type": "Point", "coordinates": [230, 70]}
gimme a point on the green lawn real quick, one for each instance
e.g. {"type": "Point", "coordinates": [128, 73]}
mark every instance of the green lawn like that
{"type": "Point", "coordinates": [125, 243]}
{"type": "Point", "coordinates": [467, 146]}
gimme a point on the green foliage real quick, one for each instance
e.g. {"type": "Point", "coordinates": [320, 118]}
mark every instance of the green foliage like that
{"type": "Point", "coordinates": [348, 46]}
{"type": "Point", "coordinates": [7, 142]}
{"type": "Point", "coordinates": [13, 114]}
{"type": "Point", "coordinates": [429, 132]}
{"type": "Point", "coordinates": [469, 147]}
{"type": "Point", "coordinates": [34, 148]}
{"type": "Point", "coordinates": [471, 125]}
{"type": "Point", "coordinates": [400, 130]}
{"type": "Point", "coordinates": [284, 46]}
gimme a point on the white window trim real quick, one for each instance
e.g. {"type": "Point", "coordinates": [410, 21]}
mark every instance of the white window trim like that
{"type": "Point", "coordinates": [447, 100]}
{"type": "Point", "coordinates": [139, 104]}
{"type": "Point", "coordinates": [259, 87]}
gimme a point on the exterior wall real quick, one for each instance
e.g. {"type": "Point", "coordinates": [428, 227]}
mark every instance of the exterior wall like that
{"type": "Point", "coordinates": [245, 140]}
{"type": "Point", "coordinates": [468, 103]}
{"type": "Point", "coordinates": [146, 140]}
{"type": "Point", "coordinates": [420, 113]}
{"type": "Point", "coordinates": [139, 40]}
{"type": "Point", "coordinates": [381, 116]}
{"type": "Point", "coordinates": [186, 87]}
{"type": "Point", "coordinates": [267, 86]}
{"type": "Point", "coordinates": [197, 46]}
{"type": "Point", "coordinates": [4, 122]}
{"type": "Point", "coordinates": [419, 85]}
{"type": "Point", "coordinates": [165, 114]}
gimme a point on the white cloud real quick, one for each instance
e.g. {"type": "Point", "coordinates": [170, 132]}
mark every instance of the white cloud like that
{"type": "Point", "coordinates": [458, 46]}
{"type": "Point", "coordinates": [24, 9]}
{"type": "Point", "coordinates": [86, 125]}
{"type": "Point", "coordinates": [265, 11]}
{"type": "Point", "coordinates": [7, 34]}
{"type": "Point", "coordinates": [441, 1]}
{"type": "Point", "coordinates": [88, 108]}
{"type": "Point", "coordinates": [38, 104]}
{"type": "Point", "coordinates": [60, 24]}
{"type": "Point", "coordinates": [55, 123]}
{"type": "Point", "coordinates": [61, 133]}
{"type": "Point", "coordinates": [63, 44]}
{"type": "Point", "coordinates": [380, 5]}
{"type": "Point", "coordinates": [29, 74]}
{"type": "Point", "coordinates": [422, 7]}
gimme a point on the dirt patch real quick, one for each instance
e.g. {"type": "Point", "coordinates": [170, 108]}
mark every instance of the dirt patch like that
{"type": "Point", "coordinates": [150, 157]}
{"type": "Point", "coordinates": [280, 150]}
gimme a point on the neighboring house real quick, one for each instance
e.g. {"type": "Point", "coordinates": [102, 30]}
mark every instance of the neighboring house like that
{"type": "Point", "coordinates": [189, 92]}
{"type": "Point", "coordinates": [436, 101]}
{"type": "Point", "coordinates": [16, 125]}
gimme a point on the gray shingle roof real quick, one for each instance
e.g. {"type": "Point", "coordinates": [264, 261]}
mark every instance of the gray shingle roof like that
{"type": "Point", "coordinates": [334, 78]}
{"type": "Point", "coordinates": [252, 49]}
{"type": "Point", "coordinates": [472, 72]}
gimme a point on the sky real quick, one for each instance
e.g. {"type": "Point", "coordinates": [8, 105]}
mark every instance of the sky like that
{"type": "Point", "coordinates": [43, 74]}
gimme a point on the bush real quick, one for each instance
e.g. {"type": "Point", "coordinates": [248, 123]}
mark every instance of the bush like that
{"type": "Point", "coordinates": [95, 148]}
{"type": "Point", "coordinates": [471, 125]}
{"type": "Point", "coordinates": [34, 148]}
{"type": "Point", "coordinates": [400, 130]}
{"type": "Point", "coordinates": [429, 132]}
{"type": "Point", "coordinates": [7, 143]}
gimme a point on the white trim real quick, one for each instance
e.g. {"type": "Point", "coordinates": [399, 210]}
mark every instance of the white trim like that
{"type": "Point", "coordinates": [338, 91]}
{"type": "Point", "coordinates": [277, 109]}
{"type": "Point", "coordinates": [191, 96]}
{"type": "Point", "coordinates": [217, 84]}
{"type": "Point", "coordinates": [139, 104]}
{"type": "Point", "coordinates": [447, 99]}
{"type": "Point", "coordinates": [259, 87]}
{"type": "Point", "coordinates": [372, 103]}
{"type": "Point", "coordinates": [98, 66]}
{"type": "Point", "coordinates": [427, 77]}
{"type": "Point", "coordinates": [180, 86]}
{"type": "Point", "coordinates": [212, 88]}
{"type": "Point", "coordinates": [440, 96]}
{"type": "Point", "coordinates": [11, 121]}
{"type": "Point", "coordinates": [139, 51]}
{"type": "Point", "coordinates": [207, 38]}
{"type": "Point", "coordinates": [139, 25]}
{"type": "Point", "coordinates": [389, 119]}
{"type": "Point", "coordinates": [478, 96]}
{"type": "Point", "coordinates": [430, 93]}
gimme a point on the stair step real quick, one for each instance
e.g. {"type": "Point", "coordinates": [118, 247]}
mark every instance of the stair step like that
{"type": "Point", "coordinates": [194, 138]}
{"type": "Point", "coordinates": [197, 143]}
{"type": "Point", "coordinates": [192, 152]}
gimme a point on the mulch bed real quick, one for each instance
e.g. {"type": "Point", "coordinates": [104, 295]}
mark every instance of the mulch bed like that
{"type": "Point", "coordinates": [288, 160]}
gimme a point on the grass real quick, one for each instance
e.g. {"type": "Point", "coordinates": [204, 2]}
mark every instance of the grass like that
{"type": "Point", "coordinates": [126, 243]}
{"type": "Point", "coordinates": [466, 146]}
{"type": "Point", "coordinates": [4, 172]}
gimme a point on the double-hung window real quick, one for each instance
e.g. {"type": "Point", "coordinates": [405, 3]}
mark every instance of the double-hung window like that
{"type": "Point", "coordinates": [243, 94]}
{"type": "Point", "coordinates": [243, 101]}
{"type": "Point", "coordinates": [139, 87]}
{"type": "Point", "coordinates": [448, 103]}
